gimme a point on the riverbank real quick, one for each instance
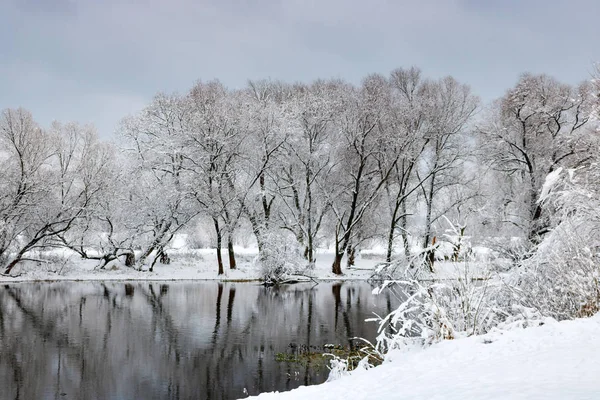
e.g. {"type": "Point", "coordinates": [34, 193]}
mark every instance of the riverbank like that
{"type": "Point", "coordinates": [556, 361]}
{"type": "Point", "coordinates": [186, 264]}
{"type": "Point", "coordinates": [201, 264]}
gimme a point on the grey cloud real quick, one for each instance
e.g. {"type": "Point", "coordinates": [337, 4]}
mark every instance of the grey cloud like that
{"type": "Point", "coordinates": [47, 6]}
{"type": "Point", "coordinates": [131, 49]}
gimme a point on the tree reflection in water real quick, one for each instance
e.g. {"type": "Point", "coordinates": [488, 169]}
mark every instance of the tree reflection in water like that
{"type": "Point", "coordinates": [171, 341]}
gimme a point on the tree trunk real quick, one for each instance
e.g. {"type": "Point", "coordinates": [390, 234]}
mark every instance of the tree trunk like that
{"type": "Point", "coordinates": [219, 242]}
{"type": "Point", "coordinates": [336, 268]}
{"type": "Point", "coordinates": [256, 229]}
{"type": "Point", "coordinates": [310, 239]}
{"type": "Point", "coordinates": [156, 258]}
{"type": "Point", "coordinates": [351, 256]}
{"type": "Point", "coordinates": [232, 263]}
{"type": "Point", "coordinates": [17, 259]}
{"type": "Point", "coordinates": [429, 202]}
{"type": "Point", "coordinates": [143, 257]}
{"type": "Point", "coordinates": [430, 255]}
{"type": "Point", "coordinates": [106, 259]}
{"type": "Point", "coordinates": [164, 258]}
{"type": "Point", "coordinates": [310, 253]}
{"type": "Point", "coordinates": [157, 243]}
{"type": "Point", "coordinates": [340, 249]}
{"type": "Point", "coordinates": [458, 244]}
{"type": "Point", "coordinates": [427, 228]}
{"type": "Point", "coordinates": [130, 259]}
{"type": "Point", "coordinates": [11, 265]}
{"type": "Point", "coordinates": [404, 230]}
{"type": "Point", "coordinates": [349, 226]}
{"type": "Point", "coordinates": [390, 244]}
{"type": "Point", "coordinates": [536, 226]}
{"type": "Point", "coordinates": [337, 264]}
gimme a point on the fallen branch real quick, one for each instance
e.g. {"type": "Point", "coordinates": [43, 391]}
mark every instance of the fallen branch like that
{"type": "Point", "coordinates": [290, 280]}
{"type": "Point", "coordinates": [10, 276]}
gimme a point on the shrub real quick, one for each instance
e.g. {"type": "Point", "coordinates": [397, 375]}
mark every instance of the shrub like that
{"type": "Point", "coordinates": [279, 257]}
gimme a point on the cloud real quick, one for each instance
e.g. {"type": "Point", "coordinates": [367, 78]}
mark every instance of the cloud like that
{"type": "Point", "coordinates": [52, 98]}
{"type": "Point", "coordinates": [47, 6]}
{"type": "Point", "coordinates": [61, 50]}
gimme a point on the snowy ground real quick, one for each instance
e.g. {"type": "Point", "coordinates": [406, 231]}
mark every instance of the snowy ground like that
{"type": "Point", "coordinates": [554, 361]}
{"type": "Point", "coordinates": [201, 264]}
{"type": "Point", "coordinates": [186, 264]}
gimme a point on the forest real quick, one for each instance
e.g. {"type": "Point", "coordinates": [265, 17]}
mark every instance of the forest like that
{"type": "Point", "coordinates": [394, 161]}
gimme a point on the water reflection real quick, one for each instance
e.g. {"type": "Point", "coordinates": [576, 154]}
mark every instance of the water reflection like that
{"type": "Point", "coordinates": [170, 341]}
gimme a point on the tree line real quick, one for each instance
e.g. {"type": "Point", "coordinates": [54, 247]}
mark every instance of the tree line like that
{"type": "Point", "coordinates": [299, 165]}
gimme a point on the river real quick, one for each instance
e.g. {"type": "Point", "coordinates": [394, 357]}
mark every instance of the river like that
{"type": "Point", "coordinates": [183, 340]}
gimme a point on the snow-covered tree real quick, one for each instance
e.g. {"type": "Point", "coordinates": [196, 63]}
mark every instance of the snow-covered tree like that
{"type": "Point", "coordinates": [52, 178]}
{"type": "Point", "coordinates": [212, 147]}
{"type": "Point", "coordinates": [537, 127]}
{"type": "Point", "coordinates": [25, 152]}
{"type": "Point", "coordinates": [108, 229]}
{"type": "Point", "coordinates": [362, 166]}
{"type": "Point", "coordinates": [306, 162]}
{"type": "Point", "coordinates": [441, 173]}
{"type": "Point", "coordinates": [268, 111]}
{"type": "Point", "coordinates": [164, 198]}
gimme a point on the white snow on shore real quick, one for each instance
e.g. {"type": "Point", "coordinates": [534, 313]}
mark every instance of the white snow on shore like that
{"type": "Point", "coordinates": [554, 361]}
{"type": "Point", "coordinates": [186, 264]}
{"type": "Point", "coordinates": [201, 264]}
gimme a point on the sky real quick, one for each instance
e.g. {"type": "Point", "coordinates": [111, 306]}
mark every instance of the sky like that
{"type": "Point", "coordinates": [97, 61]}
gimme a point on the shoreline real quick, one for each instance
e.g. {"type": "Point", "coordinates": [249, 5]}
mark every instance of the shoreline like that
{"type": "Point", "coordinates": [4, 279]}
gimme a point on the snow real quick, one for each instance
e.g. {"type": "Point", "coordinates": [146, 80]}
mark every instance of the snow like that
{"type": "Point", "coordinates": [554, 361]}
{"type": "Point", "coordinates": [186, 264]}
{"type": "Point", "coordinates": [201, 264]}
{"type": "Point", "coordinates": [549, 183]}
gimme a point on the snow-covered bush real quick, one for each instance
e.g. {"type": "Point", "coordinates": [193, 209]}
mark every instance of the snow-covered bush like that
{"type": "Point", "coordinates": [418, 319]}
{"type": "Point", "coordinates": [472, 306]}
{"type": "Point", "coordinates": [561, 278]}
{"type": "Point", "coordinates": [418, 266]}
{"type": "Point", "coordinates": [278, 258]}
{"type": "Point", "coordinates": [512, 249]}
{"type": "Point", "coordinates": [195, 241]}
{"type": "Point", "coordinates": [435, 311]}
{"type": "Point", "coordinates": [186, 256]}
{"type": "Point", "coordinates": [339, 367]}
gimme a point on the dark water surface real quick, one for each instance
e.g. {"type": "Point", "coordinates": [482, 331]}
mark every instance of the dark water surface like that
{"type": "Point", "coordinates": [208, 340]}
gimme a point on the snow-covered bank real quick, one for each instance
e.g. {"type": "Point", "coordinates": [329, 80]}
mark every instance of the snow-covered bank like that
{"type": "Point", "coordinates": [201, 264]}
{"type": "Point", "coordinates": [185, 265]}
{"type": "Point", "coordinates": [554, 361]}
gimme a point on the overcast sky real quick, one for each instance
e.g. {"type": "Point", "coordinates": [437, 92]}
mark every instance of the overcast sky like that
{"type": "Point", "coordinates": [98, 60]}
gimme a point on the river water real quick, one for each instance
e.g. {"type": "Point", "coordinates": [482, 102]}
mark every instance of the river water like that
{"type": "Point", "coordinates": [205, 340]}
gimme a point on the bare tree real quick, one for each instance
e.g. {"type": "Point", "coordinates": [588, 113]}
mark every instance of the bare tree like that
{"type": "Point", "coordinates": [538, 126]}
{"type": "Point", "coordinates": [306, 162]}
{"type": "Point", "coordinates": [408, 124]}
{"type": "Point", "coordinates": [53, 178]}
{"type": "Point", "coordinates": [451, 109]}
{"type": "Point", "coordinates": [269, 125]}
{"type": "Point", "coordinates": [358, 175]}
{"type": "Point", "coordinates": [164, 197]}
{"type": "Point", "coordinates": [107, 229]}
{"type": "Point", "coordinates": [25, 152]}
{"type": "Point", "coordinates": [213, 149]}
